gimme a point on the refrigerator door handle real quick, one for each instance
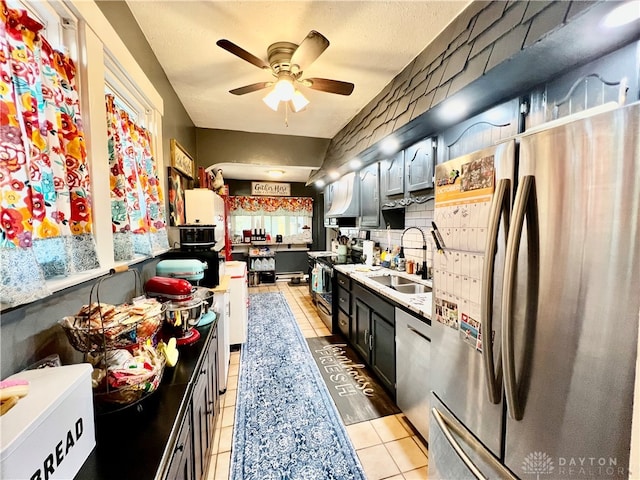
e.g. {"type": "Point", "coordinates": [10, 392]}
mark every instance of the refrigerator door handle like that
{"type": "Point", "coordinates": [447, 426]}
{"type": "Point", "coordinates": [524, 206]}
{"type": "Point", "coordinates": [500, 206]}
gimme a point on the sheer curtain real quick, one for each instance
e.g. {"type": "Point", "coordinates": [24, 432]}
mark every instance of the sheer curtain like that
{"type": "Point", "coordinates": [45, 209]}
{"type": "Point", "coordinates": [137, 205]}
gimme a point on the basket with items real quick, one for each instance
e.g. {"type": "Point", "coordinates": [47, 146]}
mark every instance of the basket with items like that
{"type": "Point", "coordinates": [122, 377]}
{"type": "Point", "coordinates": [120, 341]}
{"type": "Point", "coordinates": [100, 326]}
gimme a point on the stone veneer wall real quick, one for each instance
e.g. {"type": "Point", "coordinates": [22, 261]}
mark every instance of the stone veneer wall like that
{"type": "Point", "coordinates": [485, 35]}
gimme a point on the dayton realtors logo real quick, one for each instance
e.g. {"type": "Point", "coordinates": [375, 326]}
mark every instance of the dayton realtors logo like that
{"type": "Point", "coordinates": [538, 463]}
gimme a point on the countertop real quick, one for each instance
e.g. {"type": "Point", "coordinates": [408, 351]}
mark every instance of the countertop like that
{"type": "Point", "coordinates": [223, 285]}
{"type": "Point", "coordinates": [136, 443]}
{"type": "Point", "coordinates": [419, 303]}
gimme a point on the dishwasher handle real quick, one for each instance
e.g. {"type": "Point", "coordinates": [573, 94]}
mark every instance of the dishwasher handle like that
{"type": "Point", "coordinates": [409, 327]}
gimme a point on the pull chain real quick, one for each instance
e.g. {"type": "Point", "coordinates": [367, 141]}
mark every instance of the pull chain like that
{"type": "Point", "coordinates": [286, 114]}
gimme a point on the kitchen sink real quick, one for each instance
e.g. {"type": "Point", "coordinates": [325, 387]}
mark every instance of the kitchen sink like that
{"type": "Point", "coordinates": [392, 280]}
{"type": "Point", "coordinates": [401, 284]}
{"type": "Point", "coordinates": [412, 288]}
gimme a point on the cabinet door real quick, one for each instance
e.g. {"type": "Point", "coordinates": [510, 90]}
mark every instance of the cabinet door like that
{"type": "Point", "coordinates": [369, 196]}
{"type": "Point", "coordinates": [419, 162]}
{"type": "Point", "coordinates": [393, 174]}
{"type": "Point", "coordinates": [361, 314]}
{"type": "Point", "coordinates": [383, 351]}
{"type": "Point", "coordinates": [181, 467]}
{"type": "Point", "coordinates": [213, 386]}
{"type": "Point", "coordinates": [201, 428]}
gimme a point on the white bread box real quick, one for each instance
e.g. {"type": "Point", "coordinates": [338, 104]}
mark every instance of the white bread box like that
{"type": "Point", "coordinates": [50, 432]}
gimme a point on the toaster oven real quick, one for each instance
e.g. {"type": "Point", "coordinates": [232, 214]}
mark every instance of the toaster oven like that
{"type": "Point", "coordinates": [197, 237]}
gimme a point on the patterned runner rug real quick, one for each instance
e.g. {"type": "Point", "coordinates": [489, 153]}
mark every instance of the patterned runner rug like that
{"type": "Point", "coordinates": [286, 425]}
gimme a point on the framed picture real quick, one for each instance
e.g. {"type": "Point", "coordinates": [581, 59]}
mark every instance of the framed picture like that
{"type": "Point", "coordinates": [180, 159]}
{"type": "Point", "coordinates": [178, 183]}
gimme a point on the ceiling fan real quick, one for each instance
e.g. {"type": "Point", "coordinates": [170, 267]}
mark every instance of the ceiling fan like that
{"type": "Point", "coordinates": [287, 62]}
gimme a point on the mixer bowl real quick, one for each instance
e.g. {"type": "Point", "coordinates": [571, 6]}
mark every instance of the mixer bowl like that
{"type": "Point", "coordinates": [206, 295]}
{"type": "Point", "coordinates": [181, 316]}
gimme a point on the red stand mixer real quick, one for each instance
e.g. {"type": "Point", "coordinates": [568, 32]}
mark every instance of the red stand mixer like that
{"type": "Point", "coordinates": [183, 310]}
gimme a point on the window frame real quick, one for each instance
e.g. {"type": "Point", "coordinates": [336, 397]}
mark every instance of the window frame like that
{"type": "Point", "coordinates": [101, 58]}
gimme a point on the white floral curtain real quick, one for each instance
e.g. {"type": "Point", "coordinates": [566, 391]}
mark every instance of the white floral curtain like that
{"type": "Point", "coordinates": [45, 208]}
{"type": "Point", "coordinates": [137, 203]}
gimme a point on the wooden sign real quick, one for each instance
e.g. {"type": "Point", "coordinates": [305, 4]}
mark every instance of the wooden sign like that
{"type": "Point", "coordinates": [271, 189]}
{"type": "Point", "coordinates": [180, 159]}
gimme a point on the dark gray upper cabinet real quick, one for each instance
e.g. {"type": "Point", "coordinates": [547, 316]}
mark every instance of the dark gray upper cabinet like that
{"type": "Point", "coordinates": [393, 175]}
{"type": "Point", "coordinates": [370, 196]}
{"type": "Point", "coordinates": [419, 160]}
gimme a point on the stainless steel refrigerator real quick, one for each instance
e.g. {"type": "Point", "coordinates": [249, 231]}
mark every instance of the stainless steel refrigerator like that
{"type": "Point", "coordinates": [537, 303]}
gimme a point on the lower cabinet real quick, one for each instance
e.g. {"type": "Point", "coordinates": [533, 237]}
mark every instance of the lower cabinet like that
{"type": "Point", "coordinates": [181, 466]}
{"type": "Point", "coordinates": [383, 349]}
{"type": "Point", "coordinates": [373, 334]}
{"type": "Point", "coordinates": [201, 423]}
{"type": "Point", "coordinates": [191, 454]}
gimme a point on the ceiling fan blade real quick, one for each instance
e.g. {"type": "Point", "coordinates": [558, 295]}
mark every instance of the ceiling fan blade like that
{"type": "Point", "coordinates": [309, 50]}
{"type": "Point", "coordinates": [250, 88]}
{"type": "Point", "coordinates": [242, 53]}
{"type": "Point", "coordinates": [329, 86]}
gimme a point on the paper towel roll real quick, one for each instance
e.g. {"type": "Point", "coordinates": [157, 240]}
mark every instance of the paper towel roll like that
{"type": "Point", "coordinates": [367, 251]}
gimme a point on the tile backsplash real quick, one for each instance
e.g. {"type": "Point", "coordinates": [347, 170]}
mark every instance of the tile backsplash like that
{"type": "Point", "coordinates": [416, 215]}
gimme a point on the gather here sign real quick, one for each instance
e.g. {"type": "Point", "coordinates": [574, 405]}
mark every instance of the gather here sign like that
{"type": "Point", "coordinates": [271, 189]}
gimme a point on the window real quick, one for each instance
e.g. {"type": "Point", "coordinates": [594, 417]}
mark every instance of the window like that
{"type": "Point", "coordinates": [79, 30]}
{"type": "Point", "coordinates": [285, 225]}
{"type": "Point", "coordinates": [290, 217]}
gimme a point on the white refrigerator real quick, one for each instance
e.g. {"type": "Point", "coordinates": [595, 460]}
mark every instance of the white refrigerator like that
{"type": "Point", "coordinates": [238, 301]}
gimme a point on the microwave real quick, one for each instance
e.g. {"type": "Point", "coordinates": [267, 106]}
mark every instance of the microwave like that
{"type": "Point", "coordinates": [197, 237]}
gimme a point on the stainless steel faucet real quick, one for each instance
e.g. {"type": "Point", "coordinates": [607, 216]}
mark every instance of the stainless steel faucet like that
{"type": "Point", "coordinates": [425, 271]}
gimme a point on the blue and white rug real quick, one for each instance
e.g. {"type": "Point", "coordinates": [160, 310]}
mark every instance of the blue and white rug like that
{"type": "Point", "coordinates": [286, 425]}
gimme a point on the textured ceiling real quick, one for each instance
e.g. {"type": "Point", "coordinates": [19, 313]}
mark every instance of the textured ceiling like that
{"type": "Point", "coordinates": [371, 42]}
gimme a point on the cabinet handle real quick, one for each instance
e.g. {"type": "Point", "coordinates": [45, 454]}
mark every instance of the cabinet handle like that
{"type": "Point", "coordinates": [371, 342]}
{"type": "Point", "coordinates": [179, 448]}
{"type": "Point", "coordinates": [343, 323]}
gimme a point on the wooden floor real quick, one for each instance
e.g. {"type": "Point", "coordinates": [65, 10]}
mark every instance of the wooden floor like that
{"type": "Point", "coordinates": [388, 447]}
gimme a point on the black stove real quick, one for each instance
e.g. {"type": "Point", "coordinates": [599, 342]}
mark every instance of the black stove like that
{"type": "Point", "coordinates": [335, 259]}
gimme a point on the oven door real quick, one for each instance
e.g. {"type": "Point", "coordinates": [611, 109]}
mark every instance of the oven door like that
{"type": "Point", "coordinates": [323, 294]}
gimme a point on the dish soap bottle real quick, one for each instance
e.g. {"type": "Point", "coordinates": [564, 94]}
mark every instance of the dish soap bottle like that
{"type": "Point", "coordinates": [401, 260]}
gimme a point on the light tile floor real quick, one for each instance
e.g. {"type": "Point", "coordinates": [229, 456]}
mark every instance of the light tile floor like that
{"type": "Point", "coordinates": [388, 447]}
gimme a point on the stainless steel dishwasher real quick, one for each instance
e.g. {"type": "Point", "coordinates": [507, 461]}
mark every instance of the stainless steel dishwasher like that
{"type": "Point", "coordinates": [413, 349]}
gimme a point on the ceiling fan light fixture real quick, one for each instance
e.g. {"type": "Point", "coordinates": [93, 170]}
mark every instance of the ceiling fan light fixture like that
{"type": "Point", "coordinates": [284, 88]}
{"type": "Point", "coordinates": [272, 100]}
{"type": "Point", "coordinates": [299, 101]}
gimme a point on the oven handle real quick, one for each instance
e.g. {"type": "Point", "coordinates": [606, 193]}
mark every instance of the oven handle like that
{"type": "Point", "coordinates": [324, 308]}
